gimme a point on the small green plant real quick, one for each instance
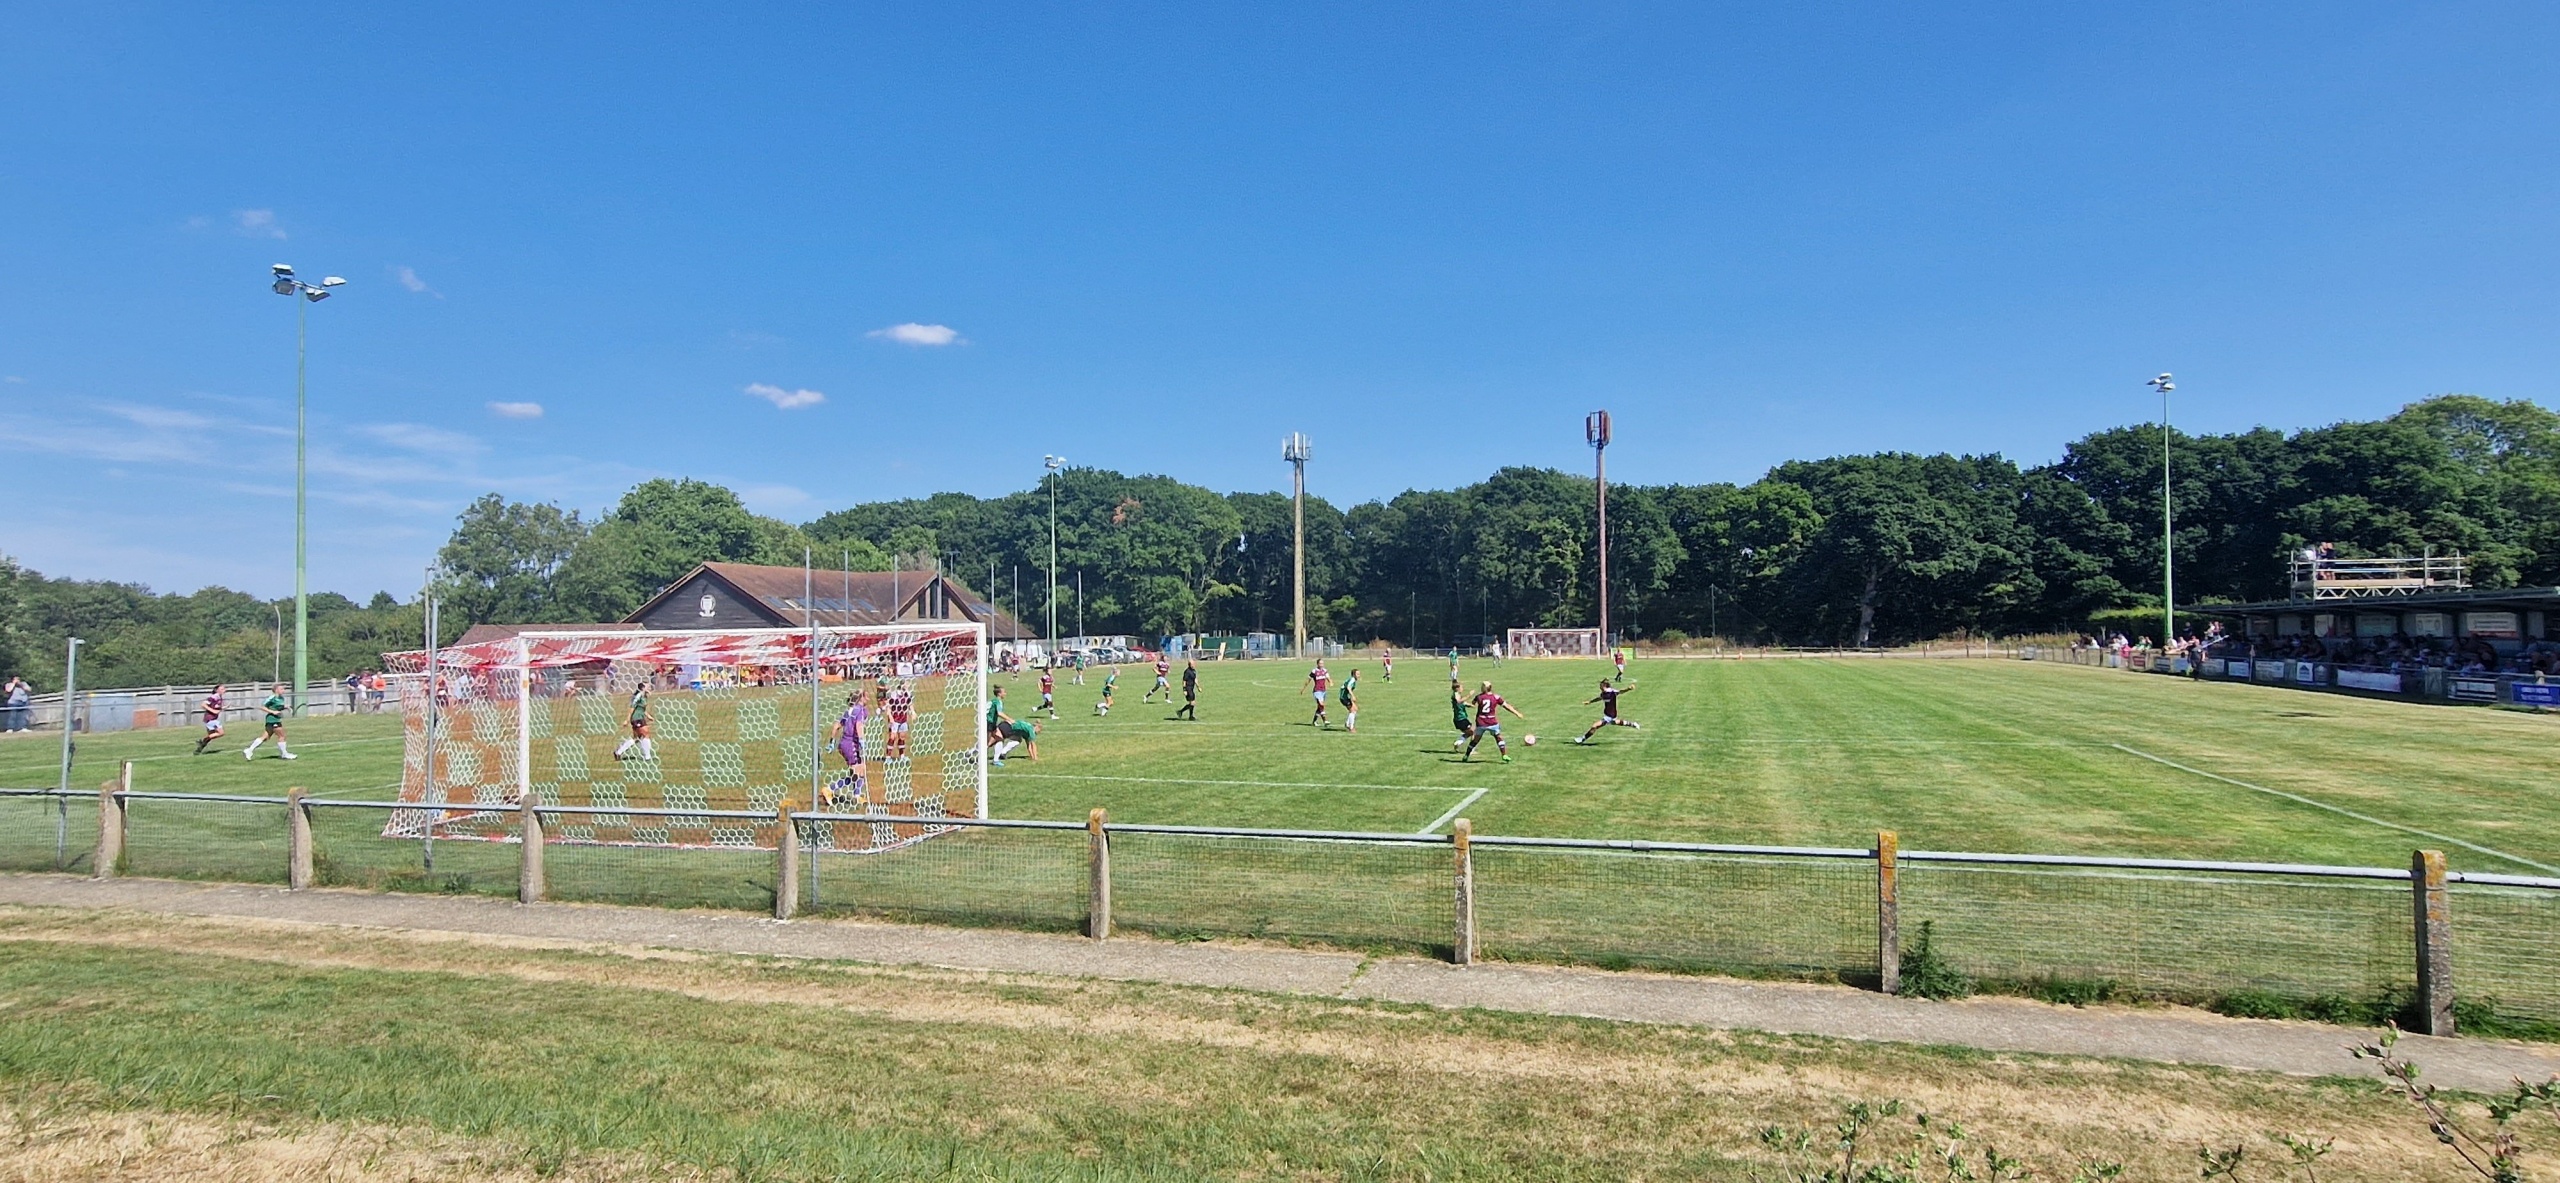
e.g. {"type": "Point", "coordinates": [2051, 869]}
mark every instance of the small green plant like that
{"type": "Point", "coordinates": [2075, 991]}
{"type": "Point", "coordinates": [2232, 1162]}
{"type": "Point", "coordinates": [1926, 974]}
{"type": "Point", "coordinates": [2495, 1154]}
{"type": "Point", "coordinates": [1867, 1144]}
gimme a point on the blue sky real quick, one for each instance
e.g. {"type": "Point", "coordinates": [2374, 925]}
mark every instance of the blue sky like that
{"type": "Point", "coordinates": [1159, 238]}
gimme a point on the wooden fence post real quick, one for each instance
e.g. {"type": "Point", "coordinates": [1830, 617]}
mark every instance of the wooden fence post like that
{"type": "Point", "coordinates": [529, 887]}
{"type": "Point", "coordinates": [1888, 912]}
{"type": "Point", "coordinates": [106, 861]}
{"type": "Point", "coordinates": [1462, 846]}
{"type": "Point", "coordinates": [786, 884]}
{"type": "Point", "coordinates": [2434, 917]}
{"type": "Point", "coordinates": [1097, 919]}
{"type": "Point", "coordinates": [297, 844]}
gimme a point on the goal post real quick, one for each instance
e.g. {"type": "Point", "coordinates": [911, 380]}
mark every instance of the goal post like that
{"type": "Point", "coordinates": [736, 721]}
{"type": "Point", "coordinates": [1552, 642]}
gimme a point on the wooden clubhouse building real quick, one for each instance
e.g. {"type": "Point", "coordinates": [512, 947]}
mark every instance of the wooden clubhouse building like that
{"type": "Point", "coordinates": [747, 595]}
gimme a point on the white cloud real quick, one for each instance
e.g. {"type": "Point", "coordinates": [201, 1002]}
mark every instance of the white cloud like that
{"type": "Point", "coordinates": [13, 379]}
{"type": "Point", "coordinates": [256, 223]}
{"type": "Point", "coordinates": [408, 278]}
{"type": "Point", "coordinates": [516, 410]}
{"type": "Point", "coordinates": [789, 400]}
{"type": "Point", "coordinates": [158, 418]}
{"type": "Point", "coordinates": [912, 333]}
{"type": "Point", "coordinates": [429, 441]}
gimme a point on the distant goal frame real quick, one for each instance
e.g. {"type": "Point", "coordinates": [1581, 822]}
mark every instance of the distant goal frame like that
{"type": "Point", "coordinates": [1553, 642]}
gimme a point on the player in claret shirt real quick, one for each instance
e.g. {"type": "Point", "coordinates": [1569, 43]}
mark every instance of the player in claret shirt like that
{"type": "Point", "coordinates": [1322, 679]}
{"type": "Point", "coordinates": [212, 720]}
{"type": "Point", "coordinates": [1609, 716]}
{"type": "Point", "coordinates": [1489, 708]}
{"type": "Point", "coordinates": [1163, 668]}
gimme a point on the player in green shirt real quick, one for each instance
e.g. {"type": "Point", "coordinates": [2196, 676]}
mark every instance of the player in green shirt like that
{"type": "Point", "coordinates": [1461, 713]}
{"type": "Point", "coordinates": [639, 726]}
{"type": "Point", "coordinates": [1350, 696]}
{"type": "Point", "coordinates": [275, 708]}
{"type": "Point", "coordinates": [1110, 682]}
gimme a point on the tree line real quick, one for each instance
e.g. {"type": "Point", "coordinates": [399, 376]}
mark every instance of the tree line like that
{"type": "Point", "coordinates": [1851, 550]}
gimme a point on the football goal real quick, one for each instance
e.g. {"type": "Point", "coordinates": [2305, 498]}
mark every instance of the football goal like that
{"type": "Point", "coordinates": [1552, 642]}
{"type": "Point", "coordinates": [737, 721]}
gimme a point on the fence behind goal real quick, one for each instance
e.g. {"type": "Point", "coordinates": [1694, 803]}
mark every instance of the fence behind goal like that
{"type": "Point", "coordinates": [1552, 642]}
{"type": "Point", "coordinates": [681, 738]}
{"type": "Point", "coordinates": [2342, 941]}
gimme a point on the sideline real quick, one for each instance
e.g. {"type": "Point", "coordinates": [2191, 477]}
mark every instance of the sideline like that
{"type": "Point", "coordinates": [2362, 817]}
{"type": "Point", "coordinates": [1454, 811]}
{"type": "Point", "coordinates": [2164, 1034]}
{"type": "Point", "coordinates": [1242, 784]}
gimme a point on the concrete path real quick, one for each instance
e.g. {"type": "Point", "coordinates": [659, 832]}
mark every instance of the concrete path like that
{"type": "Point", "coordinates": [1995, 1024]}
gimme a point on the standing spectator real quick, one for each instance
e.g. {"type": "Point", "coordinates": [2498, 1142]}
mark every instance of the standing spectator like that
{"type": "Point", "coordinates": [16, 709]}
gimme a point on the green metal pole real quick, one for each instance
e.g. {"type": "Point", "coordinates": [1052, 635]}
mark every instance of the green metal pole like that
{"type": "Point", "coordinates": [62, 800]}
{"type": "Point", "coordinates": [301, 506]}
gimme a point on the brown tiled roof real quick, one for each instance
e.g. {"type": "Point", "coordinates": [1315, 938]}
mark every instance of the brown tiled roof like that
{"type": "Point", "coordinates": [860, 597]}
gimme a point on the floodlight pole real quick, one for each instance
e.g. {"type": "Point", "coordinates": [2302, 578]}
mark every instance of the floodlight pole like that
{"type": "Point", "coordinates": [2168, 528]}
{"type": "Point", "coordinates": [1054, 462]}
{"type": "Point", "coordinates": [1295, 450]}
{"type": "Point", "coordinates": [282, 282]}
{"type": "Point", "coordinates": [428, 791]}
{"type": "Point", "coordinates": [1595, 428]}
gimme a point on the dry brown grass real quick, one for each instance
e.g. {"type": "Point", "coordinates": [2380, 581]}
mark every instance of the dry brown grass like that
{"type": "Point", "coordinates": [1153, 1050]}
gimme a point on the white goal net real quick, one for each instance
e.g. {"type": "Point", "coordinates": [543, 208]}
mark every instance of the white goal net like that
{"type": "Point", "coordinates": [739, 720]}
{"type": "Point", "coordinates": [1552, 642]}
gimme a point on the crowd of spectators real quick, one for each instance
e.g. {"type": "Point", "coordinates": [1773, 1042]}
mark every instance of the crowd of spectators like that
{"type": "Point", "coordinates": [2396, 652]}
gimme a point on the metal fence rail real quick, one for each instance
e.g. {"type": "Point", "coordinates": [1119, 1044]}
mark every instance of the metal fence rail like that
{"type": "Point", "coordinates": [2358, 937]}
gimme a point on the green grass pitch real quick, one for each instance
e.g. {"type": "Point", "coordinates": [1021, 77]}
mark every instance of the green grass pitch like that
{"type": "Point", "coordinates": [1972, 755]}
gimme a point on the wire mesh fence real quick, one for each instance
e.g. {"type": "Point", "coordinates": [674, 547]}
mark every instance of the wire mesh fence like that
{"type": "Point", "coordinates": [187, 836]}
{"type": "Point", "coordinates": [2176, 934]}
{"type": "Point", "coordinates": [349, 849]}
{"type": "Point", "coordinates": [41, 830]}
{"type": "Point", "coordinates": [2506, 949]}
{"type": "Point", "coordinates": [1367, 891]}
{"type": "Point", "coordinates": [1678, 909]}
{"type": "Point", "coordinates": [1013, 876]}
{"type": "Point", "coordinates": [2194, 931]}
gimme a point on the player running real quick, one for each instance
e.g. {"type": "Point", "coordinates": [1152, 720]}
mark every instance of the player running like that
{"type": "Point", "coordinates": [1489, 708]}
{"type": "Point", "coordinates": [212, 721]}
{"type": "Point", "coordinates": [274, 707]}
{"type": "Point", "coordinates": [1110, 683]}
{"type": "Point", "coordinates": [1461, 714]}
{"type": "Point", "coordinates": [1322, 679]}
{"type": "Point", "coordinates": [1048, 692]}
{"type": "Point", "coordinates": [1163, 668]}
{"type": "Point", "coordinates": [853, 787]}
{"type": "Point", "coordinates": [639, 726]}
{"type": "Point", "coordinates": [1190, 692]}
{"type": "Point", "coordinates": [1387, 667]}
{"type": "Point", "coordinates": [1619, 655]}
{"type": "Point", "coordinates": [1609, 717]}
{"type": "Point", "coordinates": [1351, 700]}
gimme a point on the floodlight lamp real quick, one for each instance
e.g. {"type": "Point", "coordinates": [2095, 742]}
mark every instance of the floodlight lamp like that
{"type": "Point", "coordinates": [333, 281]}
{"type": "Point", "coordinates": [315, 295]}
{"type": "Point", "coordinates": [284, 286]}
{"type": "Point", "coordinates": [282, 268]}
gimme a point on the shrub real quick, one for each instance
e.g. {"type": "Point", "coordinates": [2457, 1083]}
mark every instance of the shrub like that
{"type": "Point", "coordinates": [1925, 974]}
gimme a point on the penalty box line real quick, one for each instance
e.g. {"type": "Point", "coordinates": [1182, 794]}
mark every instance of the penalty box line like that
{"type": "Point", "coordinates": [2362, 817]}
{"type": "Point", "coordinates": [1472, 794]}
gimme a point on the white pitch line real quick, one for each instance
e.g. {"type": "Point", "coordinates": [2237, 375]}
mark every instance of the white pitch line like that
{"type": "Point", "coordinates": [1454, 811]}
{"type": "Point", "coordinates": [319, 743]}
{"type": "Point", "coordinates": [1247, 784]}
{"type": "Point", "coordinates": [2366, 818]}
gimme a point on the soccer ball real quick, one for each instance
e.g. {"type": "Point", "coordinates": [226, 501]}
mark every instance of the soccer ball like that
{"type": "Point", "coordinates": [1528, 741]}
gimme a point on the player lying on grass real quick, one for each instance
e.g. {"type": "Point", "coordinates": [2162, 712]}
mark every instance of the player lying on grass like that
{"type": "Point", "coordinates": [275, 727]}
{"type": "Point", "coordinates": [1609, 717]}
{"type": "Point", "coordinates": [1489, 708]}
